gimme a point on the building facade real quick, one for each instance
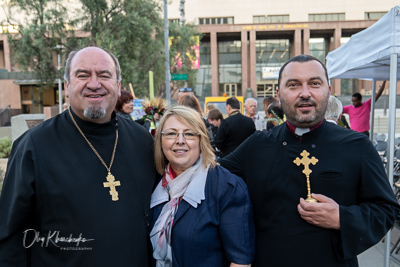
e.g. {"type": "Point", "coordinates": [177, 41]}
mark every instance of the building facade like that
{"type": "Point", "coordinates": [244, 43]}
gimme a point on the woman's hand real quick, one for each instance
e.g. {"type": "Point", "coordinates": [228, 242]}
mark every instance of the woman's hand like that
{"type": "Point", "coordinates": [239, 265]}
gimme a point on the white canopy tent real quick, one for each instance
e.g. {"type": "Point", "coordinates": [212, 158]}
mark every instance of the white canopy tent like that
{"type": "Point", "coordinates": [372, 54]}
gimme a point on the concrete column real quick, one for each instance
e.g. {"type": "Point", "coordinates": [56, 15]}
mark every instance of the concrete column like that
{"type": "Point", "coordinates": [297, 42]}
{"type": "Point", "coordinates": [214, 64]}
{"type": "Point", "coordinates": [306, 41]}
{"type": "Point", "coordinates": [252, 65]}
{"type": "Point", "coordinates": [245, 63]}
{"type": "Point", "coordinates": [335, 44]}
{"type": "Point", "coordinates": [6, 49]}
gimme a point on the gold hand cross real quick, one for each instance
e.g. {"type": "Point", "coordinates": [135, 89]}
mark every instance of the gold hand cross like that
{"type": "Point", "coordinates": [306, 162]}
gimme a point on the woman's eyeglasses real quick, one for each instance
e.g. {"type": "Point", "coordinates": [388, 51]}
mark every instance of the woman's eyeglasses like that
{"type": "Point", "coordinates": [189, 135]}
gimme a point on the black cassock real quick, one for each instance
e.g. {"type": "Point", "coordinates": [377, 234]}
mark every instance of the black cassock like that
{"type": "Point", "coordinates": [349, 170]}
{"type": "Point", "coordinates": [54, 209]}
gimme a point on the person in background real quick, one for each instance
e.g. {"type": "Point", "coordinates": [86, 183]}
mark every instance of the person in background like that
{"type": "Point", "coordinates": [350, 205]}
{"type": "Point", "coordinates": [274, 116]}
{"type": "Point", "coordinates": [250, 106]}
{"type": "Point", "coordinates": [333, 110]}
{"type": "Point", "coordinates": [209, 107]}
{"type": "Point", "coordinates": [192, 102]}
{"type": "Point", "coordinates": [359, 112]}
{"type": "Point", "coordinates": [234, 129]}
{"type": "Point", "coordinates": [201, 213]}
{"type": "Point", "coordinates": [267, 101]}
{"type": "Point", "coordinates": [77, 187]}
{"type": "Point", "coordinates": [183, 92]}
{"type": "Point", "coordinates": [215, 117]}
{"type": "Point", "coordinates": [124, 108]}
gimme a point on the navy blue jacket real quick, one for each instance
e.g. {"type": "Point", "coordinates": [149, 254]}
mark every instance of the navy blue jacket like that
{"type": "Point", "coordinates": [220, 230]}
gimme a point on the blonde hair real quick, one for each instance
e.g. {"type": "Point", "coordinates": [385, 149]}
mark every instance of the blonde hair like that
{"type": "Point", "coordinates": [193, 121]}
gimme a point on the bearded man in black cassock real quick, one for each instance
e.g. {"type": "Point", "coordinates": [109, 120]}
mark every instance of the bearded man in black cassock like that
{"type": "Point", "coordinates": [78, 186]}
{"type": "Point", "coordinates": [356, 205]}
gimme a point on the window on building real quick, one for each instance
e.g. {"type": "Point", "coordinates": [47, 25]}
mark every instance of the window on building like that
{"type": "Point", "coordinates": [277, 18]}
{"type": "Point", "coordinates": [259, 19]}
{"type": "Point", "coordinates": [319, 48]}
{"type": "Point", "coordinates": [203, 81]}
{"type": "Point", "coordinates": [271, 54]}
{"type": "Point", "coordinates": [222, 20]}
{"type": "Point", "coordinates": [230, 65]}
{"type": "Point", "coordinates": [374, 15]}
{"type": "Point", "coordinates": [271, 19]}
{"type": "Point", "coordinates": [326, 17]}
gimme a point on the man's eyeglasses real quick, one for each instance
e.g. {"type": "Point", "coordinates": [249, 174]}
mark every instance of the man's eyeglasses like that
{"type": "Point", "coordinates": [186, 89]}
{"type": "Point", "coordinates": [189, 135]}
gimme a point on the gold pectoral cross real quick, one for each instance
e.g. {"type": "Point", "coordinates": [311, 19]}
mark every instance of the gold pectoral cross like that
{"type": "Point", "coordinates": [306, 162]}
{"type": "Point", "coordinates": [112, 184]}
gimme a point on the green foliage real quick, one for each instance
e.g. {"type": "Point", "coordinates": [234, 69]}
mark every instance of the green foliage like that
{"type": "Point", "coordinates": [5, 147]}
{"type": "Point", "coordinates": [131, 29]}
{"type": "Point", "coordinates": [33, 49]}
{"type": "Point", "coordinates": [182, 50]}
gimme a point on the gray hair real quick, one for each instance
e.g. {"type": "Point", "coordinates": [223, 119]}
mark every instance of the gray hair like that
{"type": "Point", "coordinates": [334, 109]}
{"type": "Point", "coordinates": [71, 55]}
{"type": "Point", "coordinates": [248, 99]}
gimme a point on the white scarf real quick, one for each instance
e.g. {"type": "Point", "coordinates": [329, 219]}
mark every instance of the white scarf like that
{"type": "Point", "coordinates": [190, 184]}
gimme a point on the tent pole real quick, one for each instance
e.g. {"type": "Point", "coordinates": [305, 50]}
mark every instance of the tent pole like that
{"type": "Point", "coordinates": [372, 114]}
{"type": "Point", "coordinates": [390, 146]}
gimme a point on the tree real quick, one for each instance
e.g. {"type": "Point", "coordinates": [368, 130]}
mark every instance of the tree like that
{"type": "Point", "coordinates": [184, 42]}
{"type": "Point", "coordinates": [42, 29]}
{"type": "Point", "coordinates": [131, 29]}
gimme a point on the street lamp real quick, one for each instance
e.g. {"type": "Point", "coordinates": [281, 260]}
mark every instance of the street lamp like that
{"type": "Point", "coordinates": [59, 48]}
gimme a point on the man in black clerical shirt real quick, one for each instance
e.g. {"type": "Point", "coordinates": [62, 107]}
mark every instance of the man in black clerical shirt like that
{"type": "Point", "coordinates": [351, 205]}
{"type": "Point", "coordinates": [234, 129]}
{"type": "Point", "coordinates": [78, 186]}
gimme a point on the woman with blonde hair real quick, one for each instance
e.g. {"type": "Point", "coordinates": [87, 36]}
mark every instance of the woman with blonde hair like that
{"type": "Point", "coordinates": [196, 205]}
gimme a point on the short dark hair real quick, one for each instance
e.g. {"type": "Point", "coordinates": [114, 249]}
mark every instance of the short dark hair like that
{"type": "Point", "coordinates": [301, 59]}
{"type": "Point", "coordinates": [357, 95]}
{"type": "Point", "coordinates": [233, 102]}
{"type": "Point", "coordinates": [215, 114]}
{"type": "Point", "coordinates": [124, 98]}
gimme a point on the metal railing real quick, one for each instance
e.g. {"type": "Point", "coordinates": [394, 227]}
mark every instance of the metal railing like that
{"type": "Point", "coordinates": [5, 116]}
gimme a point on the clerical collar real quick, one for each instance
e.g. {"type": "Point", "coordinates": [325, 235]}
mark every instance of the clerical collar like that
{"type": "Point", "coordinates": [234, 113]}
{"type": "Point", "coordinates": [96, 128]}
{"type": "Point", "coordinates": [300, 131]}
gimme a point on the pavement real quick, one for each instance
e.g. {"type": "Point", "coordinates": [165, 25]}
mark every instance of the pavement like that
{"type": "Point", "coordinates": [375, 256]}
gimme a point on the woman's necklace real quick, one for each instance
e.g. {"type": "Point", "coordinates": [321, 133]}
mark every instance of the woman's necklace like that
{"type": "Point", "coordinates": [110, 178]}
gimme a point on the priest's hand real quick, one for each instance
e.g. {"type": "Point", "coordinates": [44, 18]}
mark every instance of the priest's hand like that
{"type": "Point", "coordinates": [323, 214]}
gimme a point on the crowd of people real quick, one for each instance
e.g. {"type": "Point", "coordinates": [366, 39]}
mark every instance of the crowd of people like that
{"type": "Point", "coordinates": [92, 187]}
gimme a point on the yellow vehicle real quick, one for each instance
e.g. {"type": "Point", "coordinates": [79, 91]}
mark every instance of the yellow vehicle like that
{"type": "Point", "coordinates": [220, 103]}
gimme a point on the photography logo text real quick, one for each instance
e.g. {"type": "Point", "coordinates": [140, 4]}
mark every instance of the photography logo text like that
{"type": "Point", "coordinates": [53, 238]}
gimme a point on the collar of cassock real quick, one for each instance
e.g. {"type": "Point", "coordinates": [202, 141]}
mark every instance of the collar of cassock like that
{"type": "Point", "coordinates": [95, 128]}
{"type": "Point", "coordinates": [300, 131]}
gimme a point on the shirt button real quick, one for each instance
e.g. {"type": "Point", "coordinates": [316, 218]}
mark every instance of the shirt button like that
{"type": "Point", "coordinates": [284, 143]}
{"type": "Point", "coordinates": [313, 146]}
